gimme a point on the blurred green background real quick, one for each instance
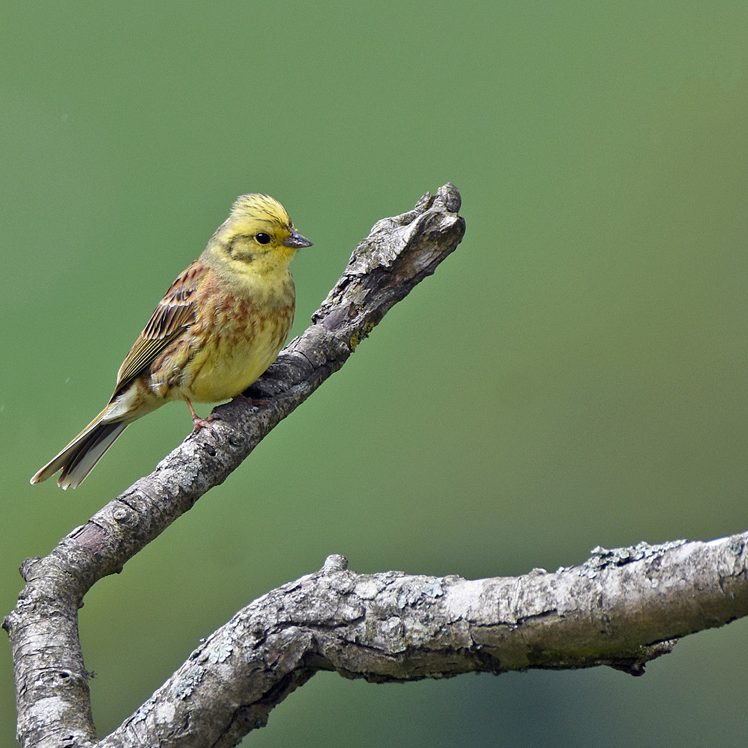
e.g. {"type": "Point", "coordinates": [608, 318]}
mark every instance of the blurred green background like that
{"type": "Point", "coordinates": [573, 375]}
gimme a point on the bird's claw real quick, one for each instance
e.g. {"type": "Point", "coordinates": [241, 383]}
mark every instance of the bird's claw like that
{"type": "Point", "coordinates": [198, 424]}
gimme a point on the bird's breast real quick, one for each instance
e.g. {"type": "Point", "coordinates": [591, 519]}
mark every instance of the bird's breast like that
{"type": "Point", "coordinates": [241, 340]}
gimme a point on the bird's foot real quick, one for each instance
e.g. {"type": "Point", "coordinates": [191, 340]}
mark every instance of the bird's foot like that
{"type": "Point", "coordinates": [198, 424]}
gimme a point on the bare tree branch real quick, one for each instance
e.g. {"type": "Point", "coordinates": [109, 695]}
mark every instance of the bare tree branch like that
{"type": "Point", "coordinates": [620, 608]}
{"type": "Point", "coordinates": [52, 693]}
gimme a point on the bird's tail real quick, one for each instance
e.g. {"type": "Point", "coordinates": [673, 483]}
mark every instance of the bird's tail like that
{"type": "Point", "coordinates": [79, 457]}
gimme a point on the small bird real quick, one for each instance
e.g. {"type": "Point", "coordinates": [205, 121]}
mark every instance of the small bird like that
{"type": "Point", "coordinates": [216, 330]}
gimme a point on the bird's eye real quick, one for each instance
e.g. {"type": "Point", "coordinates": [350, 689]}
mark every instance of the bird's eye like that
{"type": "Point", "coordinates": [262, 238]}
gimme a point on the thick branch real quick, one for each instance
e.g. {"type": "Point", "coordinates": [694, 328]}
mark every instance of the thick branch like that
{"type": "Point", "coordinates": [620, 608]}
{"type": "Point", "coordinates": [51, 683]}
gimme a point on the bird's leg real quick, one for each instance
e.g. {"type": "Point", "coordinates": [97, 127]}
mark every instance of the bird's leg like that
{"type": "Point", "coordinates": [199, 423]}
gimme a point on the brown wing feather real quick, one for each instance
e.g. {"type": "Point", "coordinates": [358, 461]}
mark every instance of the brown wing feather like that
{"type": "Point", "coordinates": [173, 315]}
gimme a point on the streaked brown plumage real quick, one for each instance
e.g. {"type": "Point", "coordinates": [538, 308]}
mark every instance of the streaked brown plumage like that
{"type": "Point", "coordinates": [216, 330]}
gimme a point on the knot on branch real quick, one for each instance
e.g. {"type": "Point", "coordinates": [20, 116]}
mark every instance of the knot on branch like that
{"type": "Point", "coordinates": [334, 563]}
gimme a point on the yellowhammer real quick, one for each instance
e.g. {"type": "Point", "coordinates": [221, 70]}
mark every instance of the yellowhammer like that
{"type": "Point", "coordinates": [217, 329]}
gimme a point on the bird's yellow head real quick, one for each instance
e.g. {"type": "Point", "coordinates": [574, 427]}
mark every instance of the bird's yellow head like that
{"type": "Point", "coordinates": [259, 233]}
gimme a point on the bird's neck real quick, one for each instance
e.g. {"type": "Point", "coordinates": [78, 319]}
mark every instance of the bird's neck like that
{"type": "Point", "coordinates": [262, 278]}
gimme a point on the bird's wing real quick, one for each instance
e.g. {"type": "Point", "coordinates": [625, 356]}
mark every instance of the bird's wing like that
{"type": "Point", "coordinates": [173, 315]}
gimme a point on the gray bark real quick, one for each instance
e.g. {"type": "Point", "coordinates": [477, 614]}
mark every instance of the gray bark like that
{"type": "Point", "coordinates": [622, 608]}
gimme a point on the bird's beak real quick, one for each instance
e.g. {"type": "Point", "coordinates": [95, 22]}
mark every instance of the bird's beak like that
{"type": "Point", "coordinates": [297, 241]}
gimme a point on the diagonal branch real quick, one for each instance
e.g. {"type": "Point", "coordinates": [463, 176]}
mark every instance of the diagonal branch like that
{"type": "Point", "coordinates": [52, 692]}
{"type": "Point", "coordinates": [621, 608]}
